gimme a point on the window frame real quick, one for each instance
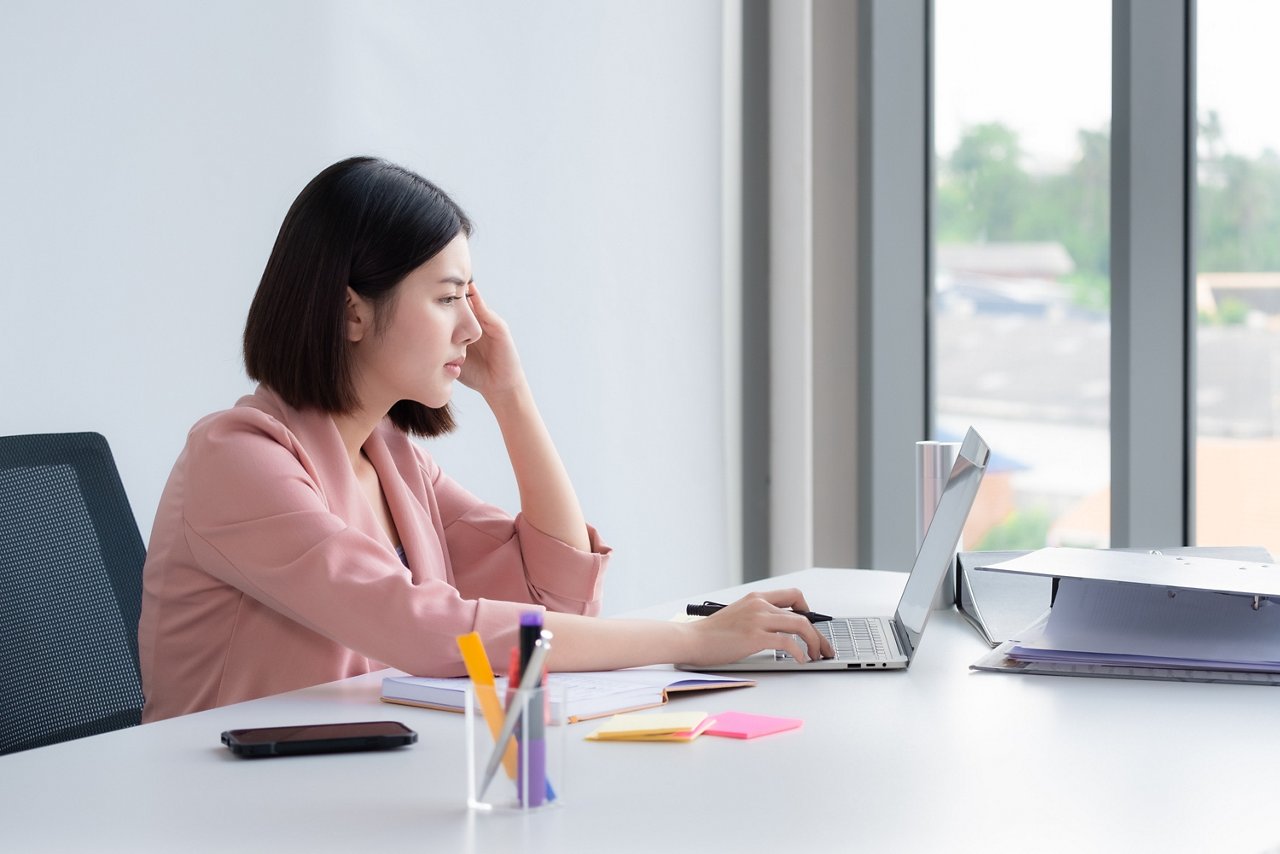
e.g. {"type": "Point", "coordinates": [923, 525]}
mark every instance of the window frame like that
{"type": "Point", "coordinates": [1152, 245]}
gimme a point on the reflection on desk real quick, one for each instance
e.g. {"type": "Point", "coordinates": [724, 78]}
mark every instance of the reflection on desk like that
{"type": "Point", "coordinates": [962, 762]}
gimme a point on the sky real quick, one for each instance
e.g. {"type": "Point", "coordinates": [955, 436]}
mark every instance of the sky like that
{"type": "Point", "coordinates": [1044, 67]}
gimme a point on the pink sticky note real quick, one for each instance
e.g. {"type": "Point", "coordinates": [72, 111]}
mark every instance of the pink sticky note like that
{"type": "Point", "coordinates": [743, 725]}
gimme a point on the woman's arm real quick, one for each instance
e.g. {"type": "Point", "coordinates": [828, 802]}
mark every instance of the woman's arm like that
{"type": "Point", "coordinates": [755, 622]}
{"type": "Point", "coordinates": [547, 498]}
{"type": "Point", "coordinates": [493, 369]}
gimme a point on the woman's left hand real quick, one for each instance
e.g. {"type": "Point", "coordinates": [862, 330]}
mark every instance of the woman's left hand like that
{"type": "Point", "coordinates": [493, 365]}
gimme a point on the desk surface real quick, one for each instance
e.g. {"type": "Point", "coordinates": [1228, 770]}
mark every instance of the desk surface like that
{"type": "Point", "coordinates": [936, 758]}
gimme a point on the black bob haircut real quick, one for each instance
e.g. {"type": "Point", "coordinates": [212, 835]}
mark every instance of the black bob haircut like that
{"type": "Point", "coordinates": [363, 223]}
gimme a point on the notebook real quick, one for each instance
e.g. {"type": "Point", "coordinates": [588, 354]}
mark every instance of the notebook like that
{"type": "Point", "coordinates": [587, 695]}
{"type": "Point", "coordinates": [889, 643]}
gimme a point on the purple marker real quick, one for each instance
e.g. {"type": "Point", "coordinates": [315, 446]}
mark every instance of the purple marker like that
{"type": "Point", "coordinates": [520, 704]}
{"type": "Point", "coordinates": [533, 747]}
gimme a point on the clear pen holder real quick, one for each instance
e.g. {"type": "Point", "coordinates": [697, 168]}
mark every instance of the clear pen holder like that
{"type": "Point", "coordinates": [530, 774]}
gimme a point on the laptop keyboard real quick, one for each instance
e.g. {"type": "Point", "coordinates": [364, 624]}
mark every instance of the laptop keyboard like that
{"type": "Point", "coordinates": [850, 638]}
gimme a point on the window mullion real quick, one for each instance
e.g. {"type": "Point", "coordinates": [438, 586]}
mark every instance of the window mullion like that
{"type": "Point", "coordinates": [1150, 276]}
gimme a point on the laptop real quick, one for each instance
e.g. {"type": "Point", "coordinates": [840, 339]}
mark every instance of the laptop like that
{"type": "Point", "coordinates": [889, 643]}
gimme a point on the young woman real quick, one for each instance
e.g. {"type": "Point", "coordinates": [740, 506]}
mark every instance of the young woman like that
{"type": "Point", "coordinates": [303, 537]}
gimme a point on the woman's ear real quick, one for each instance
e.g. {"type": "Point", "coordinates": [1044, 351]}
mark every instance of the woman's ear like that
{"type": "Point", "coordinates": [359, 316]}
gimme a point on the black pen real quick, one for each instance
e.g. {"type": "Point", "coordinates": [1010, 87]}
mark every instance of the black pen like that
{"type": "Point", "coordinates": [706, 609]}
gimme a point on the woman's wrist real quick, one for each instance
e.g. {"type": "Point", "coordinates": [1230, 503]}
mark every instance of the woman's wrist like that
{"type": "Point", "coordinates": [686, 647]}
{"type": "Point", "coordinates": [511, 399]}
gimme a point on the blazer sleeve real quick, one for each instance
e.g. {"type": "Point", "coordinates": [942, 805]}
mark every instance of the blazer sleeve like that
{"type": "Point", "coordinates": [495, 555]}
{"type": "Point", "coordinates": [260, 522]}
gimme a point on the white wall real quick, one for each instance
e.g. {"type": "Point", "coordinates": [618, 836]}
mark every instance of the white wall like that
{"type": "Point", "coordinates": [150, 150]}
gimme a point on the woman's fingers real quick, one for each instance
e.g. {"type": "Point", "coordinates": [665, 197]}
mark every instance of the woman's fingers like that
{"type": "Point", "coordinates": [493, 366]}
{"type": "Point", "coordinates": [478, 304]}
{"type": "Point", "coordinates": [484, 314]}
{"type": "Point", "coordinates": [786, 597]}
{"type": "Point", "coordinates": [774, 611]}
{"type": "Point", "coordinates": [793, 600]}
{"type": "Point", "coordinates": [791, 644]}
{"type": "Point", "coordinates": [796, 625]}
{"type": "Point", "coordinates": [756, 622]}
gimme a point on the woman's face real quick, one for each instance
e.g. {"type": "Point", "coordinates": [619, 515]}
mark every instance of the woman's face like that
{"type": "Point", "coordinates": [419, 351]}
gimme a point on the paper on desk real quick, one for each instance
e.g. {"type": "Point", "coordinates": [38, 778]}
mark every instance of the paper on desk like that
{"type": "Point", "coordinates": [1180, 570]}
{"type": "Point", "coordinates": [653, 726]}
{"type": "Point", "coordinates": [743, 725]}
{"type": "Point", "coordinates": [1109, 619]}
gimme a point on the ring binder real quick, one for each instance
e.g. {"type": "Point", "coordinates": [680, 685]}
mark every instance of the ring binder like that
{"type": "Point", "coordinates": [1147, 615]}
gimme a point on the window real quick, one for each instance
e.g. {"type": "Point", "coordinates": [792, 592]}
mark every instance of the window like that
{"type": "Point", "coordinates": [1073, 222]}
{"type": "Point", "coordinates": [1020, 316]}
{"type": "Point", "coordinates": [1237, 282]}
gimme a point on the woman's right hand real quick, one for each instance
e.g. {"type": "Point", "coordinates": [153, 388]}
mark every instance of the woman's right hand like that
{"type": "Point", "coordinates": [756, 622]}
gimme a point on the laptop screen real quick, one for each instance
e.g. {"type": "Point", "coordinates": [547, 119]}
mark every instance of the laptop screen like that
{"type": "Point", "coordinates": [939, 544]}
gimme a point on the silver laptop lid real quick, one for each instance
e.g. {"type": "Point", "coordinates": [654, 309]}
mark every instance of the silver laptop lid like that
{"type": "Point", "coordinates": [940, 541]}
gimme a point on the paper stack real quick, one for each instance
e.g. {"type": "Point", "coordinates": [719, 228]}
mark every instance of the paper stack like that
{"type": "Point", "coordinates": [1151, 626]}
{"type": "Point", "coordinates": [1148, 616]}
{"type": "Point", "coordinates": [653, 726]}
{"type": "Point", "coordinates": [686, 726]}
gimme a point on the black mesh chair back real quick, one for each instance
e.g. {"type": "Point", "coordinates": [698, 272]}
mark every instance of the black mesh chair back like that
{"type": "Point", "coordinates": [70, 592]}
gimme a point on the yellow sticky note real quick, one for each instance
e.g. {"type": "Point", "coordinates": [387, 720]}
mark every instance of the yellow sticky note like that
{"type": "Point", "coordinates": [652, 726]}
{"type": "Point", "coordinates": [682, 735]}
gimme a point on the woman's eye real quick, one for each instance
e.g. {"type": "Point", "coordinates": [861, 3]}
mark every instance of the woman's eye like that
{"type": "Point", "coordinates": [450, 300]}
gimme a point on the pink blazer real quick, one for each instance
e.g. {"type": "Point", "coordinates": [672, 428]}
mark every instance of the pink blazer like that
{"type": "Point", "coordinates": [268, 571]}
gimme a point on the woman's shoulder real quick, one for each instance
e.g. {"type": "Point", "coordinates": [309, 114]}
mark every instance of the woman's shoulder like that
{"type": "Point", "coordinates": [262, 426]}
{"type": "Point", "coordinates": [254, 415]}
{"type": "Point", "coordinates": [254, 459]}
{"type": "Point", "coordinates": [262, 439]}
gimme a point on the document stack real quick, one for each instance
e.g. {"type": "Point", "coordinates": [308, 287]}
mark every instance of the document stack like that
{"type": "Point", "coordinates": [1148, 616]}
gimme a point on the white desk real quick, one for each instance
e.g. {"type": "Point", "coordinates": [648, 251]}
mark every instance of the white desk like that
{"type": "Point", "coordinates": [963, 762]}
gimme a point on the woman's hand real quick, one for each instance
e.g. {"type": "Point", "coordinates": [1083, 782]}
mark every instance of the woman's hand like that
{"type": "Point", "coordinates": [493, 366]}
{"type": "Point", "coordinates": [756, 622]}
{"type": "Point", "coordinates": [493, 369]}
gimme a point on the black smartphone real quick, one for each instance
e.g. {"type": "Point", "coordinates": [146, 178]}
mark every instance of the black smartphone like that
{"type": "Point", "coordinates": [318, 738]}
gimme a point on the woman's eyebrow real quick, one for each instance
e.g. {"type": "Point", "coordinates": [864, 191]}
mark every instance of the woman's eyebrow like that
{"type": "Point", "coordinates": [456, 281]}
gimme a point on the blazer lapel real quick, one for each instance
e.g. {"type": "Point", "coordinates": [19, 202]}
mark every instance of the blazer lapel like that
{"type": "Point", "coordinates": [418, 532]}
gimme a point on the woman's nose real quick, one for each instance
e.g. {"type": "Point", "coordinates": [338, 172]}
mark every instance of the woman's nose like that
{"type": "Point", "coordinates": [469, 330]}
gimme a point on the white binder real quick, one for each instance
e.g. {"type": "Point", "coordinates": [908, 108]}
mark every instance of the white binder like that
{"type": "Point", "coordinates": [1148, 615]}
{"type": "Point", "coordinates": [1172, 571]}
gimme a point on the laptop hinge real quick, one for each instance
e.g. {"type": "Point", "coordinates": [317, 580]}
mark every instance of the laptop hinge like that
{"type": "Point", "coordinates": [900, 635]}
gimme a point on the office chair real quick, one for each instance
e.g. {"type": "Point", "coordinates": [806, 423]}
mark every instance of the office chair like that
{"type": "Point", "coordinates": [70, 592]}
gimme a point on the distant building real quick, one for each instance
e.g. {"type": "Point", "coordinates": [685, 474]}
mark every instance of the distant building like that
{"type": "Point", "coordinates": [1236, 500]}
{"type": "Point", "coordinates": [1258, 292]}
{"type": "Point", "coordinates": [1048, 260]}
{"type": "Point", "coordinates": [1003, 278]}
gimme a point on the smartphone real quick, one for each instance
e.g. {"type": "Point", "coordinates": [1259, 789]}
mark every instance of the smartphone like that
{"type": "Point", "coordinates": [318, 738]}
